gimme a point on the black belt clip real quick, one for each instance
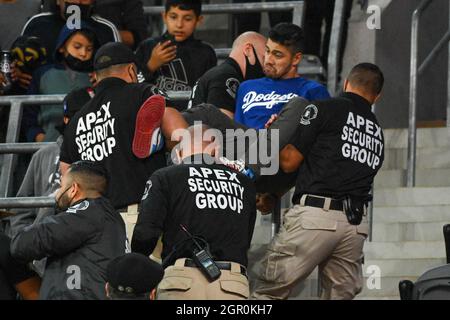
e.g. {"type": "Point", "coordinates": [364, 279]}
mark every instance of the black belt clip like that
{"type": "Point", "coordinates": [354, 210]}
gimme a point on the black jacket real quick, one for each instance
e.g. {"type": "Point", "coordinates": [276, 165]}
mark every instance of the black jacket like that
{"type": "Point", "coordinates": [47, 27]}
{"type": "Point", "coordinates": [126, 15]}
{"type": "Point", "coordinates": [79, 244]}
{"type": "Point", "coordinates": [193, 59]}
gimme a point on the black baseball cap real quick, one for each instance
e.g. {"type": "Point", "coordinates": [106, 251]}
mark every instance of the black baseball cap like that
{"type": "Point", "coordinates": [134, 273]}
{"type": "Point", "coordinates": [113, 53]}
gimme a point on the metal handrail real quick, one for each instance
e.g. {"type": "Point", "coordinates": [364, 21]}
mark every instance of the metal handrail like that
{"type": "Point", "coordinates": [416, 71]}
{"type": "Point", "coordinates": [27, 202]}
{"type": "Point", "coordinates": [297, 8]}
{"type": "Point", "coordinates": [11, 148]}
{"type": "Point", "coordinates": [335, 46]}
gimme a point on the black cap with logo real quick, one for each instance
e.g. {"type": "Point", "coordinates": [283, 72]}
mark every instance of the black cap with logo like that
{"type": "Point", "coordinates": [111, 54]}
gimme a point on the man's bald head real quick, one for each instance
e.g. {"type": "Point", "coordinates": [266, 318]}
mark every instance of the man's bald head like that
{"type": "Point", "coordinates": [248, 37]}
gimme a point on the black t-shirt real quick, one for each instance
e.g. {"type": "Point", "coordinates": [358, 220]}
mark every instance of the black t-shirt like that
{"type": "Point", "coordinates": [218, 86]}
{"type": "Point", "coordinates": [193, 59]}
{"type": "Point", "coordinates": [343, 146]}
{"type": "Point", "coordinates": [103, 131]}
{"type": "Point", "coordinates": [212, 201]}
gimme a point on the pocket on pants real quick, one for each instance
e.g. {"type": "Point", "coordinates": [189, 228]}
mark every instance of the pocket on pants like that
{"type": "Point", "coordinates": [277, 261]}
{"type": "Point", "coordinates": [175, 284]}
{"type": "Point", "coordinates": [363, 229]}
{"type": "Point", "coordinates": [318, 223]}
{"type": "Point", "coordinates": [238, 288]}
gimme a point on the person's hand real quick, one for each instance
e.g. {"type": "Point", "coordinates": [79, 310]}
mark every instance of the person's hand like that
{"type": "Point", "coordinates": [265, 202]}
{"type": "Point", "coordinates": [162, 53]}
{"type": "Point", "coordinates": [272, 119]}
{"type": "Point", "coordinates": [24, 79]}
{"type": "Point", "coordinates": [93, 78]}
{"type": "Point", "coordinates": [40, 137]}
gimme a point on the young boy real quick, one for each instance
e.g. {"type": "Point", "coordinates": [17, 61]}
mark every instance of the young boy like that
{"type": "Point", "coordinates": [176, 60]}
{"type": "Point", "coordinates": [73, 55]}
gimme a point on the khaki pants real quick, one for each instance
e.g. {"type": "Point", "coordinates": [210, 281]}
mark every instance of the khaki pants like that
{"type": "Point", "coordinates": [130, 218]}
{"type": "Point", "coordinates": [187, 283]}
{"type": "Point", "coordinates": [311, 237]}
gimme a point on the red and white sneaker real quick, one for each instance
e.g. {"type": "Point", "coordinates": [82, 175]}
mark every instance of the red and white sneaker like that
{"type": "Point", "coordinates": [147, 134]}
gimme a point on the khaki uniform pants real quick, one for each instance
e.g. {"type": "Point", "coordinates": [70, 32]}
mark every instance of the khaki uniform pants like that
{"type": "Point", "coordinates": [311, 237]}
{"type": "Point", "coordinates": [187, 283]}
{"type": "Point", "coordinates": [130, 218]}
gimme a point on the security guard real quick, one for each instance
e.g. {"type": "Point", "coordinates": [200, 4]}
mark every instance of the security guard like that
{"type": "Point", "coordinates": [338, 149]}
{"type": "Point", "coordinates": [79, 242]}
{"type": "Point", "coordinates": [199, 200]}
{"type": "Point", "coordinates": [112, 126]}
{"type": "Point", "coordinates": [219, 85]}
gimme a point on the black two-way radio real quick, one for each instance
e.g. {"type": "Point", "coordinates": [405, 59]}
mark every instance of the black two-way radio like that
{"type": "Point", "coordinates": [203, 259]}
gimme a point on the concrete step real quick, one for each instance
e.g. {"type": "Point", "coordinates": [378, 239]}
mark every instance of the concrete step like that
{"type": "Point", "coordinates": [437, 213]}
{"type": "Point", "coordinates": [404, 250]}
{"type": "Point", "coordinates": [403, 267]}
{"type": "Point", "coordinates": [420, 196]}
{"type": "Point", "coordinates": [424, 178]}
{"type": "Point", "coordinates": [426, 158]}
{"type": "Point", "coordinates": [426, 138]}
{"type": "Point", "coordinates": [407, 231]}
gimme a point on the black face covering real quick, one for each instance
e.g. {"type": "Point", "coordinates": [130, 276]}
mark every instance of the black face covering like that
{"type": "Point", "coordinates": [253, 71]}
{"type": "Point", "coordinates": [61, 208]}
{"type": "Point", "coordinates": [85, 10]}
{"type": "Point", "coordinates": [79, 65]}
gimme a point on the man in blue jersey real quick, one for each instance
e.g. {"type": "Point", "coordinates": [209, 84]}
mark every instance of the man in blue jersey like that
{"type": "Point", "coordinates": [257, 100]}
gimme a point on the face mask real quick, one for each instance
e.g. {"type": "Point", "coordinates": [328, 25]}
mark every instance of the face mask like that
{"type": "Point", "coordinates": [78, 65]}
{"type": "Point", "coordinates": [85, 10]}
{"type": "Point", "coordinates": [253, 71]}
{"type": "Point", "coordinates": [61, 207]}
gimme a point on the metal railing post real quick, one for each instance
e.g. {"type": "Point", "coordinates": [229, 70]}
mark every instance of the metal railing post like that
{"type": "Point", "coordinates": [335, 46]}
{"type": "Point", "coordinates": [298, 14]}
{"type": "Point", "coordinates": [9, 160]}
{"type": "Point", "coordinates": [412, 128]}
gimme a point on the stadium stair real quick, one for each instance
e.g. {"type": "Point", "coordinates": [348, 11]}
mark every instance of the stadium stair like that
{"type": "Point", "coordinates": [407, 230]}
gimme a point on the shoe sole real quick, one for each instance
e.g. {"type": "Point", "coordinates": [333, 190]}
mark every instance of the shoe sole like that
{"type": "Point", "coordinates": [148, 119]}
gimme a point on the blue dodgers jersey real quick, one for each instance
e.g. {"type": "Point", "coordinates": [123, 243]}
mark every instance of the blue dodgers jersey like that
{"type": "Point", "coordinates": [258, 99]}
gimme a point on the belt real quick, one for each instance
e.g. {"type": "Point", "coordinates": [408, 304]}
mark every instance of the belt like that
{"type": "Point", "coordinates": [317, 202]}
{"type": "Point", "coordinates": [221, 265]}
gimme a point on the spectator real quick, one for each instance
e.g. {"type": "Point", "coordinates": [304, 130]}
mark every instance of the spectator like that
{"type": "Point", "coordinates": [133, 276]}
{"type": "Point", "coordinates": [80, 241]}
{"type": "Point", "coordinates": [47, 26]}
{"type": "Point", "coordinates": [74, 60]}
{"type": "Point", "coordinates": [28, 54]}
{"type": "Point", "coordinates": [128, 17]}
{"type": "Point", "coordinates": [216, 205]}
{"type": "Point", "coordinates": [13, 15]}
{"type": "Point", "coordinates": [219, 85]}
{"type": "Point", "coordinates": [176, 60]}
{"type": "Point", "coordinates": [258, 99]}
{"type": "Point", "coordinates": [317, 13]}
